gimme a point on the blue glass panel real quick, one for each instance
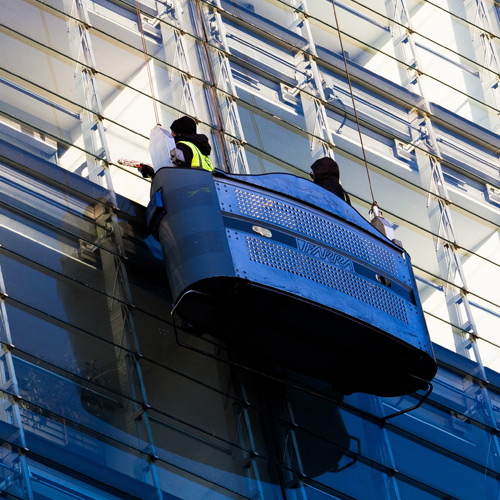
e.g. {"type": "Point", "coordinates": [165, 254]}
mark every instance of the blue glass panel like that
{"type": "Point", "coordinates": [34, 202]}
{"type": "Point", "coordinates": [410, 491]}
{"type": "Point", "coordinates": [55, 250]}
{"type": "Point", "coordinates": [79, 402]}
{"type": "Point", "coordinates": [59, 297]}
{"type": "Point", "coordinates": [71, 448]}
{"type": "Point", "coordinates": [175, 480]}
{"type": "Point", "coordinates": [62, 346]}
{"type": "Point", "coordinates": [495, 403]}
{"type": "Point", "coordinates": [86, 263]}
{"type": "Point", "coordinates": [445, 473]}
{"type": "Point", "coordinates": [148, 284]}
{"type": "Point", "coordinates": [13, 473]}
{"type": "Point", "coordinates": [48, 483]}
{"type": "Point", "coordinates": [97, 456]}
{"type": "Point", "coordinates": [267, 135]}
{"type": "Point", "coordinates": [69, 243]}
{"type": "Point", "coordinates": [453, 391]}
{"type": "Point", "coordinates": [451, 431]}
{"type": "Point", "coordinates": [360, 481]}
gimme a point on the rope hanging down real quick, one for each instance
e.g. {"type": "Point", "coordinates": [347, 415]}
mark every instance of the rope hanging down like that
{"type": "Point", "coordinates": [374, 203]}
{"type": "Point", "coordinates": [146, 57]}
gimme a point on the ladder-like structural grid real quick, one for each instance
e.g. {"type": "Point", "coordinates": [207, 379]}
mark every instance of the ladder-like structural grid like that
{"type": "Point", "coordinates": [115, 275]}
{"type": "Point", "coordinates": [487, 53]}
{"type": "Point", "coordinates": [429, 161]}
{"type": "Point", "coordinates": [309, 80]}
{"type": "Point", "coordinates": [222, 89]}
{"type": "Point", "coordinates": [216, 50]}
{"type": "Point", "coordinates": [14, 471]}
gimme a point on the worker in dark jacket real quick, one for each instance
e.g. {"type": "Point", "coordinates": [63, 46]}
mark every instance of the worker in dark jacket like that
{"type": "Point", "coordinates": [325, 173]}
{"type": "Point", "coordinates": [192, 149]}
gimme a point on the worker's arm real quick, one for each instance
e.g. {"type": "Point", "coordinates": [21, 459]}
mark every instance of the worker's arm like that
{"type": "Point", "coordinates": [146, 170]}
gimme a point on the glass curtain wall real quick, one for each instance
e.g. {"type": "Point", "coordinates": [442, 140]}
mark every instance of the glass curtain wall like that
{"type": "Point", "coordinates": [100, 398]}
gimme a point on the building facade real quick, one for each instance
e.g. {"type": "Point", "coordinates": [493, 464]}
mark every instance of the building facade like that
{"type": "Point", "coordinates": [100, 398]}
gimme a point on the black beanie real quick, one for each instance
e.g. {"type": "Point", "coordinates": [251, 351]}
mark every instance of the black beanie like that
{"type": "Point", "coordinates": [325, 167]}
{"type": "Point", "coordinates": [184, 126]}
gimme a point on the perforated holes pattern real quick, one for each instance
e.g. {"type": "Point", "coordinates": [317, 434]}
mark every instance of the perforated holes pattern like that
{"type": "Point", "coordinates": [321, 229]}
{"type": "Point", "coordinates": [289, 260]}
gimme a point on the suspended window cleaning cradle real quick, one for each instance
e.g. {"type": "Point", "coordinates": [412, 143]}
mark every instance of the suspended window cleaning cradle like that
{"type": "Point", "coordinates": [283, 270]}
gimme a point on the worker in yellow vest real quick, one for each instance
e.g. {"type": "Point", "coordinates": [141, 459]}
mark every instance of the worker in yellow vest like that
{"type": "Point", "coordinates": [192, 149]}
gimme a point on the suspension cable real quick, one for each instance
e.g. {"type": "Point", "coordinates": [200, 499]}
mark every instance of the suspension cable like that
{"type": "Point", "coordinates": [147, 59]}
{"type": "Point", "coordinates": [374, 203]}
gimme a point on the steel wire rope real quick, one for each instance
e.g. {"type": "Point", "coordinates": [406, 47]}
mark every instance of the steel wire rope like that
{"type": "Point", "coordinates": [261, 30]}
{"type": "Point", "coordinates": [433, 41]}
{"type": "Point", "coordinates": [389, 173]}
{"type": "Point", "coordinates": [373, 126]}
{"type": "Point", "coordinates": [257, 149]}
{"type": "Point", "coordinates": [3, 248]}
{"type": "Point", "coordinates": [229, 55]}
{"type": "Point", "coordinates": [353, 100]}
{"type": "Point", "coordinates": [421, 269]}
{"type": "Point", "coordinates": [101, 73]}
{"type": "Point", "coordinates": [445, 47]}
{"type": "Point", "coordinates": [437, 80]}
{"type": "Point", "coordinates": [213, 86]}
{"type": "Point", "coordinates": [147, 61]}
{"type": "Point", "coordinates": [374, 203]}
{"type": "Point", "coordinates": [375, 49]}
{"type": "Point", "coordinates": [428, 232]}
{"type": "Point", "coordinates": [175, 108]}
{"type": "Point", "coordinates": [298, 10]}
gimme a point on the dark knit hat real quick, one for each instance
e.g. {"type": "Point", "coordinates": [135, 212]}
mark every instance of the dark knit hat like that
{"type": "Point", "coordinates": [325, 167]}
{"type": "Point", "coordinates": [184, 126]}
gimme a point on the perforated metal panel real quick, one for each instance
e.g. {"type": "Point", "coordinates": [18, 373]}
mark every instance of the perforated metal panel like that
{"type": "Point", "coordinates": [308, 223]}
{"type": "Point", "coordinates": [313, 287]}
{"type": "Point", "coordinates": [342, 280]}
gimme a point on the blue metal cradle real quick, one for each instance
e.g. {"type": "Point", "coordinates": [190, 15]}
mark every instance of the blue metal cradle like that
{"type": "Point", "coordinates": [283, 271]}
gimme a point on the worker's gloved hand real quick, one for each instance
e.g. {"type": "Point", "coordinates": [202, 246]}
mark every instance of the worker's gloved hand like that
{"type": "Point", "coordinates": [146, 170]}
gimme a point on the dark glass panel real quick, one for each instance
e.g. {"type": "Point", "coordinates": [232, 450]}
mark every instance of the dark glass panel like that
{"type": "Point", "coordinates": [442, 471]}
{"type": "Point", "coordinates": [57, 296]}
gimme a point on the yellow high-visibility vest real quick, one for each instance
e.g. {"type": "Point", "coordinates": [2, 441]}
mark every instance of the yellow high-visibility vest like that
{"type": "Point", "coordinates": [199, 159]}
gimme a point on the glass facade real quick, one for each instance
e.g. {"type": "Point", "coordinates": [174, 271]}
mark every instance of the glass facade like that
{"type": "Point", "coordinates": [100, 398]}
